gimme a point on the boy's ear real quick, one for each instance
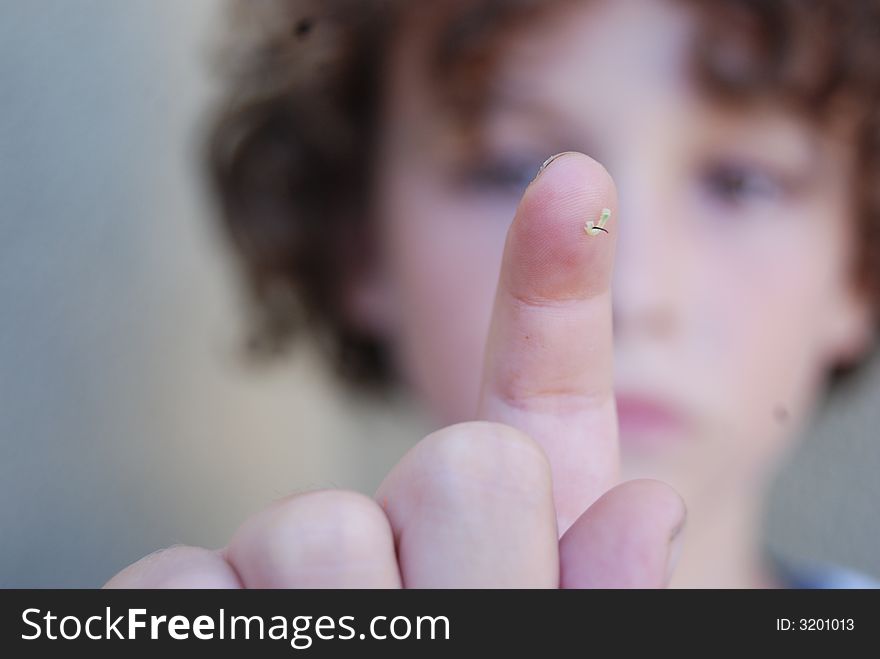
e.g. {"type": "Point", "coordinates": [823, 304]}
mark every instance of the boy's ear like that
{"type": "Point", "coordinates": [368, 302]}
{"type": "Point", "coordinates": [851, 327]}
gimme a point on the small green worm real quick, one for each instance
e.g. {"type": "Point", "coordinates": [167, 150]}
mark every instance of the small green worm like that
{"type": "Point", "coordinates": [593, 229]}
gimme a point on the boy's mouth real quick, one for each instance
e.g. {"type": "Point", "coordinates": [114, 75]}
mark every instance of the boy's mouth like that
{"type": "Point", "coordinates": [647, 421]}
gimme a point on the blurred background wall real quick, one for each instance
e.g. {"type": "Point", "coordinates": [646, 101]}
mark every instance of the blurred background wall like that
{"type": "Point", "coordinates": [128, 420]}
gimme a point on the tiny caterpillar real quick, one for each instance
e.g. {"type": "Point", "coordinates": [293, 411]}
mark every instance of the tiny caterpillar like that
{"type": "Point", "coordinates": [592, 229]}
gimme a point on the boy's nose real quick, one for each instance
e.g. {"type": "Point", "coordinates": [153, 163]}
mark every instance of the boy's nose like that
{"type": "Point", "coordinates": [647, 284]}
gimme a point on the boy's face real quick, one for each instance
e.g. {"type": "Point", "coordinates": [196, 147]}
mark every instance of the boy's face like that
{"type": "Point", "coordinates": [732, 280]}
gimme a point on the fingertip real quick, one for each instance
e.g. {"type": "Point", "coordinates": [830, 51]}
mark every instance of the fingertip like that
{"type": "Point", "coordinates": [576, 166]}
{"type": "Point", "coordinates": [551, 253]}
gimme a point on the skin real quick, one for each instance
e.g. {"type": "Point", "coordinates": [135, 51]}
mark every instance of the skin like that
{"type": "Point", "coordinates": [745, 217]}
{"type": "Point", "coordinates": [476, 504]}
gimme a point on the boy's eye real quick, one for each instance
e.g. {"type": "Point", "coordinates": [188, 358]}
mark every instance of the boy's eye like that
{"type": "Point", "coordinates": [498, 176]}
{"type": "Point", "coordinates": [735, 184]}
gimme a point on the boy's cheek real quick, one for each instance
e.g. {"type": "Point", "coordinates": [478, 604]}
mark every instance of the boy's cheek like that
{"type": "Point", "coordinates": [770, 365]}
{"type": "Point", "coordinates": [445, 260]}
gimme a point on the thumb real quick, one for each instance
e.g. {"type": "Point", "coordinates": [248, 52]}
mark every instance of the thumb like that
{"type": "Point", "coordinates": [629, 538]}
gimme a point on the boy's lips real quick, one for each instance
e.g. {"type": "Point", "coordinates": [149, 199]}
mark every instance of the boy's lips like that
{"type": "Point", "coordinates": [645, 420]}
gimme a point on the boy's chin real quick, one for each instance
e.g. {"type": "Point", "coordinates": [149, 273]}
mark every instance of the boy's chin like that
{"type": "Point", "coordinates": [655, 458]}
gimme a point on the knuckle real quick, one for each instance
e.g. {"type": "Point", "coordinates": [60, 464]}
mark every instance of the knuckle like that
{"type": "Point", "coordinates": [178, 566]}
{"type": "Point", "coordinates": [329, 525]}
{"type": "Point", "coordinates": [481, 455]}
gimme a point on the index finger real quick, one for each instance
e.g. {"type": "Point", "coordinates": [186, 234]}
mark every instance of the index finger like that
{"type": "Point", "coordinates": [549, 359]}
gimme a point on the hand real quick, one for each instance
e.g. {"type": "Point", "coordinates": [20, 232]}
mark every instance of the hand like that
{"type": "Point", "coordinates": [484, 504]}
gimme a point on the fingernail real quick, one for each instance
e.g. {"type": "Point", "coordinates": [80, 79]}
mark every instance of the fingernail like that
{"type": "Point", "coordinates": [675, 545]}
{"type": "Point", "coordinates": [548, 162]}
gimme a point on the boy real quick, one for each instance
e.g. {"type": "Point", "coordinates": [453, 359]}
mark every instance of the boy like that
{"type": "Point", "coordinates": [369, 164]}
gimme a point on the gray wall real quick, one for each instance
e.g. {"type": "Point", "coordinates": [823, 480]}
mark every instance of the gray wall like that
{"type": "Point", "coordinates": [127, 421]}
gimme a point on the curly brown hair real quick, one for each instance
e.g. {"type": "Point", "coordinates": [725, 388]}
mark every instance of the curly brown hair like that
{"type": "Point", "coordinates": [292, 142]}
